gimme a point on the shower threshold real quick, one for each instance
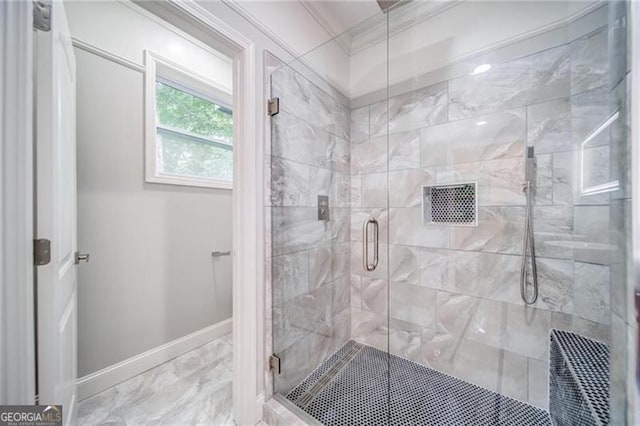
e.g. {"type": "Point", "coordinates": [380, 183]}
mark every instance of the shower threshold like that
{"type": "Point", "coordinates": [352, 388]}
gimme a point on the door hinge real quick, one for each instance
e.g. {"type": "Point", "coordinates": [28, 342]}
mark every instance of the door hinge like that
{"type": "Point", "coordinates": [274, 363]}
{"type": "Point", "coordinates": [41, 252]}
{"type": "Point", "coordinates": [42, 15]}
{"type": "Point", "coordinates": [273, 106]}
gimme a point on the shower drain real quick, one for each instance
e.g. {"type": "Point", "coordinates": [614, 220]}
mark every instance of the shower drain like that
{"type": "Point", "coordinates": [306, 398]}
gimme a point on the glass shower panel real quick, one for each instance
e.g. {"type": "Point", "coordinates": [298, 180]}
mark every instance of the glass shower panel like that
{"type": "Point", "coordinates": [329, 301]}
{"type": "Point", "coordinates": [496, 117]}
{"type": "Point", "coordinates": [449, 210]}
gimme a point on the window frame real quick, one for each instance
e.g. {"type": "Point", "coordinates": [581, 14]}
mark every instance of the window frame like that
{"type": "Point", "coordinates": [160, 69]}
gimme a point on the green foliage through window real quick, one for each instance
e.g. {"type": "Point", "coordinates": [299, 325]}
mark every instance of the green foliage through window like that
{"type": "Point", "coordinates": [187, 157]}
{"type": "Point", "coordinates": [201, 131]}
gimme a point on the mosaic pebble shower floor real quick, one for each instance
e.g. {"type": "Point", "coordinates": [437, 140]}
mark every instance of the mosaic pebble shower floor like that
{"type": "Point", "coordinates": [351, 388]}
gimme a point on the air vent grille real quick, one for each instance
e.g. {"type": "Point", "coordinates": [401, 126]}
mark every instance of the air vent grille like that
{"type": "Point", "coordinates": [453, 204]}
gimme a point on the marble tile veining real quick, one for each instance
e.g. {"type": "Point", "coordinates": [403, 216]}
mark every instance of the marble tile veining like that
{"type": "Point", "coordinates": [359, 124]}
{"type": "Point", "coordinates": [549, 126]}
{"type": "Point", "coordinates": [556, 285]}
{"type": "Point", "coordinates": [592, 292]}
{"type": "Point", "coordinates": [418, 108]}
{"type": "Point", "coordinates": [404, 150]}
{"type": "Point", "coordinates": [413, 304]}
{"type": "Point", "coordinates": [499, 181]}
{"type": "Point", "coordinates": [295, 139]}
{"type": "Point", "coordinates": [488, 137]}
{"type": "Point", "coordinates": [499, 230]}
{"type": "Point", "coordinates": [194, 388]}
{"type": "Point", "coordinates": [369, 156]}
{"type": "Point", "coordinates": [589, 110]}
{"type": "Point", "coordinates": [531, 79]}
{"type": "Point", "coordinates": [301, 97]}
{"type": "Point", "coordinates": [589, 62]}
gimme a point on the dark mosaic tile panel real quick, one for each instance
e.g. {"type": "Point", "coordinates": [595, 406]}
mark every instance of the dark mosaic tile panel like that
{"type": "Point", "coordinates": [579, 380]}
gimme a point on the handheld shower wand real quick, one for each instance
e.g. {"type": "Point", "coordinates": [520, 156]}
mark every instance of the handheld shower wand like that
{"type": "Point", "coordinates": [529, 242]}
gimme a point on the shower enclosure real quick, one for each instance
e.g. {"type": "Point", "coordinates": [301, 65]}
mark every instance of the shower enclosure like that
{"type": "Point", "coordinates": [397, 217]}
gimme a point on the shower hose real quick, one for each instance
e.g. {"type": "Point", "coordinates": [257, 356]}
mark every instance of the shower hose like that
{"type": "Point", "coordinates": [528, 244]}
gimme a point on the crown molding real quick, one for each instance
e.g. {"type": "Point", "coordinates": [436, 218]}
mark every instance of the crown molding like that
{"type": "Point", "coordinates": [236, 6]}
{"type": "Point", "coordinates": [405, 19]}
{"type": "Point", "coordinates": [312, 9]}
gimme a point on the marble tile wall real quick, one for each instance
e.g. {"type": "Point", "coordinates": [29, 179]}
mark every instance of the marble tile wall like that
{"type": "Point", "coordinates": [309, 264]}
{"type": "Point", "coordinates": [449, 296]}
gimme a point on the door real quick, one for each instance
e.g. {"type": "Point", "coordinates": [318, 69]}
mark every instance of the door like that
{"type": "Point", "coordinates": [55, 148]}
{"type": "Point", "coordinates": [328, 207]}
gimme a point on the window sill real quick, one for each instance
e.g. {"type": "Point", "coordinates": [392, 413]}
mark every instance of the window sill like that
{"type": "Point", "coordinates": [190, 181]}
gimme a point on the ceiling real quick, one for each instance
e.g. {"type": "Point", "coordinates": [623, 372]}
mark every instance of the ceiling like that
{"type": "Point", "coordinates": [361, 23]}
{"type": "Point", "coordinates": [338, 16]}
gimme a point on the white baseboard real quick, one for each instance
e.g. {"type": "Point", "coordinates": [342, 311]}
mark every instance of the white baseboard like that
{"type": "Point", "coordinates": [110, 376]}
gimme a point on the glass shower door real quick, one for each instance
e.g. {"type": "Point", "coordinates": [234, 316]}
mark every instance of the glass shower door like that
{"type": "Point", "coordinates": [328, 257]}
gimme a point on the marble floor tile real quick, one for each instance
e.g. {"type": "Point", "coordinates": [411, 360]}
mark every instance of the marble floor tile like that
{"type": "Point", "coordinates": [192, 389]}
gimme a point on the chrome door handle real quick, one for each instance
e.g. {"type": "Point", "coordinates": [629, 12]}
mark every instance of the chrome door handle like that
{"type": "Point", "coordinates": [365, 241]}
{"type": "Point", "coordinates": [81, 257]}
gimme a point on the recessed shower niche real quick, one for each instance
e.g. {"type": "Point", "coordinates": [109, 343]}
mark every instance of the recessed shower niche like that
{"type": "Point", "coordinates": [453, 204]}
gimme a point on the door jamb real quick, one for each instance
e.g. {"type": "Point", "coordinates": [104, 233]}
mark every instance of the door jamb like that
{"type": "Point", "coordinates": [17, 338]}
{"type": "Point", "coordinates": [248, 215]}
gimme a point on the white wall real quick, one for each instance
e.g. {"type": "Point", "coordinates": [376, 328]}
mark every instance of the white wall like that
{"type": "Point", "coordinates": [151, 278]}
{"type": "Point", "coordinates": [124, 29]}
{"type": "Point", "coordinates": [297, 28]}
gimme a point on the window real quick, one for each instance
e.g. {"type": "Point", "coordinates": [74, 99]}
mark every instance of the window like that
{"type": "Point", "coordinates": [189, 128]}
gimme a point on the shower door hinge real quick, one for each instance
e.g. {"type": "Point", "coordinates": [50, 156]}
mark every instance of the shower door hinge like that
{"type": "Point", "coordinates": [42, 15]}
{"type": "Point", "coordinates": [41, 252]}
{"type": "Point", "coordinates": [274, 363]}
{"type": "Point", "coordinates": [273, 106]}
